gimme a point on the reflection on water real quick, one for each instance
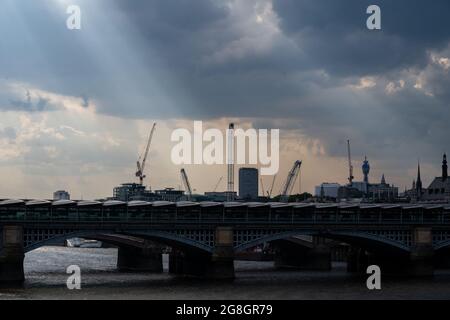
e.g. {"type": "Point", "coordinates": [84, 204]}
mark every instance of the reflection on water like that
{"type": "Point", "coordinates": [46, 279]}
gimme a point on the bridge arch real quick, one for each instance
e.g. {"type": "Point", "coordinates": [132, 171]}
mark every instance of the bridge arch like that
{"type": "Point", "coordinates": [442, 245]}
{"type": "Point", "coordinates": [115, 238]}
{"type": "Point", "coordinates": [368, 239]}
{"type": "Point", "coordinates": [174, 240]}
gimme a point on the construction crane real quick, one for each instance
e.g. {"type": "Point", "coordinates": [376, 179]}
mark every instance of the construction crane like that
{"type": "Point", "coordinates": [350, 166]}
{"type": "Point", "coordinates": [143, 158]}
{"type": "Point", "coordinates": [217, 184]}
{"type": "Point", "coordinates": [269, 193]}
{"type": "Point", "coordinates": [187, 185]}
{"type": "Point", "coordinates": [290, 181]}
{"type": "Point", "coordinates": [262, 185]}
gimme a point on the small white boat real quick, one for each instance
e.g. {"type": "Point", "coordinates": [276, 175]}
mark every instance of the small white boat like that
{"type": "Point", "coordinates": [91, 244]}
{"type": "Point", "coordinates": [83, 243]}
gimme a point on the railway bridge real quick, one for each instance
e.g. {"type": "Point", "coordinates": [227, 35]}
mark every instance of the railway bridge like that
{"type": "Point", "coordinates": [204, 237]}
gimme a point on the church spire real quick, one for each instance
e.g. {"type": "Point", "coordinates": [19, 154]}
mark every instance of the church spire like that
{"type": "Point", "coordinates": [383, 179]}
{"type": "Point", "coordinates": [419, 182]}
{"type": "Point", "coordinates": [444, 168]}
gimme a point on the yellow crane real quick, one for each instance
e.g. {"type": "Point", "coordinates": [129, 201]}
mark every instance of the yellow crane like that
{"type": "Point", "coordinates": [290, 181]}
{"type": "Point", "coordinates": [143, 158]}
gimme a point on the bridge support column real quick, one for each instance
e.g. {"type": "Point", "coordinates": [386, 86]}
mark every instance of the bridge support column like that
{"type": "Point", "coordinates": [422, 253]}
{"type": "Point", "coordinates": [357, 260]}
{"type": "Point", "coordinates": [390, 263]}
{"type": "Point", "coordinates": [11, 255]}
{"type": "Point", "coordinates": [418, 262]}
{"type": "Point", "coordinates": [291, 255]}
{"type": "Point", "coordinates": [189, 263]}
{"type": "Point", "coordinates": [222, 260]}
{"type": "Point", "coordinates": [442, 259]}
{"type": "Point", "coordinates": [218, 266]}
{"type": "Point", "coordinates": [147, 259]}
{"type": "Point", "coordinates": [176, 258]}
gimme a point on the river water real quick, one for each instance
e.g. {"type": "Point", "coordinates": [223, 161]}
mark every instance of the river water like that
{"type": "Point", "coordinates": [45, 273]}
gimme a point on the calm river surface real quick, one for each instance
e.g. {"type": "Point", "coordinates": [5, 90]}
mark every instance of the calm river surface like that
{"type": "Point", "coordinates": [46, 279]}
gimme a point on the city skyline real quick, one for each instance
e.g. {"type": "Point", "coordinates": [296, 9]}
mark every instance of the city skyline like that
{"type": "Point", "coordinates": [234, 157]}
{"type": "Point", "coordinates": [77, 105]}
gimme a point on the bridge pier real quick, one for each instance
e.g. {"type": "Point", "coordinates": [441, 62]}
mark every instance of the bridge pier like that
{"type": "Point", "coordinates": [222, 260]}
{"type": "Point", "coordinates": [418, 262]}
{"type": "Point", "coordinates": [217, 266]}
{"type": "Point", "coordinates": [147, 259]}
{"type": "Point", "coordinates": [422, 253]}
{"type": "Point", "coordinates": [357, 260]}
{"type": "Point", "coordinates": [442, 259]}
{"type": "Point", "coordinates": [291, 255]}
{"type": "Point", "coordinates": [189, 263]}
{"type": "Point", "coordinates": [11, 255]}
{"type": "Point", "coordinates": [176, 259]}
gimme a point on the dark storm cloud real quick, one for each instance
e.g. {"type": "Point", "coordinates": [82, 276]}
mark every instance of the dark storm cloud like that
{"type": "Point", "coordinates": [284, 80]}
{"type": "Point", "coordinates": [167, 20]}
{"type": "Point", "coordinates": [36, 48]}
{"type": "Point", "coordinates": [28, 105]}
{"type": "Point", "coordinates": [203, 59]}
{"type": "Point", "coordinates": [334, 34]}
{"type": "Point", "coordinates": [172, 42]}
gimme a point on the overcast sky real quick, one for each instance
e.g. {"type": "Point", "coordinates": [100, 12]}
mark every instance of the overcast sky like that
{"type": "Point", "coordinates": [76, 105]}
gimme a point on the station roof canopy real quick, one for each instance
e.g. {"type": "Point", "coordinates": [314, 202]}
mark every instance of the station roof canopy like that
{"type": "Point", "coordinates": [12, 202]}
{"type": "Point", "coordinates": [38, 203]}
{"type": "Point", "coordinates": [112, 203]}
{"type": "Point", "coordinates": [369, 206]}
{"type": "Point", "coordinates": [257, 204]}
{"type": "Point", "coordinates": [63, 203]}
{"type": "Point", "coordinates": [162, 203]}
{"type": "Point", "coordinates": [412, 207]}
{"type": "Point", "coordinates": [433, 206]}
{"type": "Point", "coordinates": [327, 206]}
{"type": "Point", "coordinates": [207, 204]}
{"type": "Point", "coordinates": [89, 203]}
{"type": "Point", "coordinates": [304, 205]}
{"type": "Point", "coordinates": [233, 204]}
{"type": "Point", "coordinates": [390, 206]}
{"type": "Point", "coordinates": [276, 205]}
{"type": "Point", "coordinates": [138, 203]}
{"type": "Point", "coordinates": [183, 204]}
{"type": "Point", "coordinates": [349, 206]}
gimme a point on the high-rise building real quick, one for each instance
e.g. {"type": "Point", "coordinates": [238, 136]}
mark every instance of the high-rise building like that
{"type": "Point", "coordinates": [248, 183]}
{"type": "Point", "coordinates": [383, 191]}
{"type": "Point", "coordinates": [128, 191]}
{"type": "Point", "coordinates": [328, 190]}
{"type": "Point", "coordinates": [366, 170]}
{"type": "Point", "coordinates": [170, 194]}
{"type": "Point", "coordinates": [61, 195]}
